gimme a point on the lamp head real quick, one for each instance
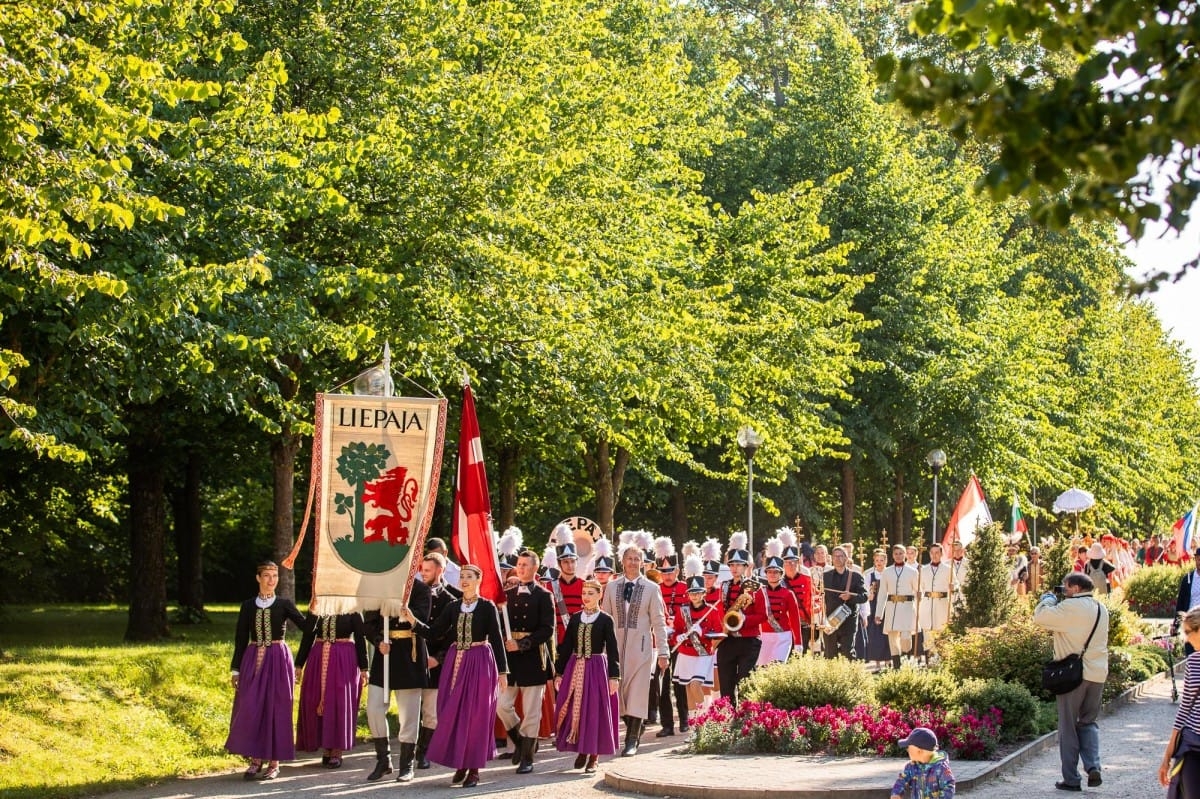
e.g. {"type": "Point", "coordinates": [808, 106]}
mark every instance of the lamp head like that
{"type": "Point", "coordinates": [749, 440]}
{"type": "Point", "coordinates": [936, 459]}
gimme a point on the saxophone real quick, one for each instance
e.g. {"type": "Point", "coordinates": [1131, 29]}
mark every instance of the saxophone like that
{"type": "Point", "coordinates": [734, 618]}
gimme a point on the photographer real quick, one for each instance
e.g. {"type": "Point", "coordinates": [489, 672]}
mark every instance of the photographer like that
{"type": "Point", "coordinates": [1071, 620]}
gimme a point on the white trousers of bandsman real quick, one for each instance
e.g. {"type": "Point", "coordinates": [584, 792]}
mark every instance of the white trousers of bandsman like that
{"type": "Point", "coordinates": [895, 606]}
{"type": "Point", "coordinates": [937, 592]}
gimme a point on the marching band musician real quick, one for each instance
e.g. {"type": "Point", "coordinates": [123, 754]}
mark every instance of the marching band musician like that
{"type": "Point", "coordinates": [780, 631]}
{"type": "Point", "coordinates": [530, 666]}
{"type": "Point", "coordinates": [636, 605]}
{"type": "Point", "coordinates": [894, 608]}
{"type": "Point", "coordinates": [841, 587]}
{"type": "Point", "coordinates": [937, 590]}
{"type": "Point", "coordinates": [408, 675]}
{"type": "Point", "coordinates": [738, 654]}
{"type": "Point", "coordinates": [674, 594]}
{"type": "Point", "coordinates": [710, 554]}
{"type": "Point", "coordinates": [602, 566]}
{"type": "Point", "coordinates": [877, 641]}
{"type": "Point", "coordinates": [799, 581]}
{"type": "Point", "coordinates": [695, 635]}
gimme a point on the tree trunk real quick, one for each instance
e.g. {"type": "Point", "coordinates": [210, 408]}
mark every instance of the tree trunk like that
{"type": "Point", "coordinates": [148, 525]}
{"type": "Point", "coordinates": [508, 461]}
{"type": "Point", "coordinates": [898, 536]}
{"type": "Point", "coordinates": [847, 501]}
{"type": "Point", "coordinates": [607, 473]}
{"type": "Point", "coordinates": [283, 520]}
{"type": "Point", "coordinates": [187, 510]}
{"type": "Point", "coordinates": [679, 518]}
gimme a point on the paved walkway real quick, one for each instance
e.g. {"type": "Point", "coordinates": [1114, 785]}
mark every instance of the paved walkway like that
{"type": "Point", "coordinates": [1133, 735]}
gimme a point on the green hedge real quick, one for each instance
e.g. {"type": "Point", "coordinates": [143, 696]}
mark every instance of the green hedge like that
{"type": "Point", "coordinates": [906, 688]}
{"type": "Point", "coordinates": [1018, 706]}
{"type": "Point", "coordinates": [1152, 591]}
{"type": "Point", "coordinates": [1014, 652]}
{"type": "Point", "coordinates": [807, 681]}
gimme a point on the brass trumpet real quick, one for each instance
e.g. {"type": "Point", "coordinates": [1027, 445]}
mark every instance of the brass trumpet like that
{"type": "Point", "coordinates": [735, 618]}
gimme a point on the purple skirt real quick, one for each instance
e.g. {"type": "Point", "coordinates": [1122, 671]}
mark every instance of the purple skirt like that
{"type": "Point", "coordinates": [261, 724]}
{"type": "Point", "coordinates": [334, 725]}
{"type": "Point", "coordinates": [466, 705]}
{"type": "Point", "coordinates": [591, 704]}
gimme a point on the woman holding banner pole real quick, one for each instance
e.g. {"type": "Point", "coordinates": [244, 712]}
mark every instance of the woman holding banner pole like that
{"type": "Point", "coordinates": [474, 666]}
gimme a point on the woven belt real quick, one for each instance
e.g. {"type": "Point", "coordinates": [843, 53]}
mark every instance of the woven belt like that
{"type": "Point", "coordinates": [900, 598]}
{"type": "Point", "coordinates": [267, 643]}
{"type": "Point", "coordinates": [517, 636]}
{"type": "Point", "coordinates": [399, 635]}
{"type": "Point", "coordinates": [936, 594]}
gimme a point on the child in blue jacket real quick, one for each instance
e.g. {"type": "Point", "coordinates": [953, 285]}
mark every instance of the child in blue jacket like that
{"type": "Point", "coordinates": [927, 774]}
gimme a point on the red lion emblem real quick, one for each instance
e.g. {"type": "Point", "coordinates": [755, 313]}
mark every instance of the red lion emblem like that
{"type": "Point", "coordinates": [395, 494]}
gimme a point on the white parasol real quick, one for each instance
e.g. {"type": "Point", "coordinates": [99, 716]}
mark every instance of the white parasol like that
{"type": "Point", "coordinates": [1074, 500]}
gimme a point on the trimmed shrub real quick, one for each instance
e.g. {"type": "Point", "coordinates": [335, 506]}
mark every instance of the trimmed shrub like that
{"type": "Point", "coordinates": [906, 688]}
{"type": "Point", "coordinates": [808, 681]}
{"type": "Point", "coordinates": [1123, 624]}
{"type": "Point", "coordinates": [1014, 652]}
{"type": "Point", "coordinates": [1018, 707]}
{"type": "Point", "coordinates": [1152, 591]}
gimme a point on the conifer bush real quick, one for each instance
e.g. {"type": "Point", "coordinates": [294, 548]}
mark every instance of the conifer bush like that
{"type": "Point", "coordinates": [988, 598]}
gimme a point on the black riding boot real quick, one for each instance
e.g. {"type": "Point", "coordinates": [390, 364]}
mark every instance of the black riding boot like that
{"type": "Point", "coordinates": [514, 735]}
{"type": "Point", "coordinates": [633, 734]}
{"type": "Point", "coordinates": [383, 764]}
{"type": "Point", "coordinates": [405, 764]}
{"type": "Point", "coordinates": [895, 661]}
{"type": "Point", "coordinates": [526, 751]}
{"type": "Point", "coordinates": [423, 738]}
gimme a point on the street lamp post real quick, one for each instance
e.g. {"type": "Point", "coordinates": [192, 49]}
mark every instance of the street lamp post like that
{"type": "Point", "coordinates": [936, 459]}
{"type": "Point", "coordinates": [749, 440]}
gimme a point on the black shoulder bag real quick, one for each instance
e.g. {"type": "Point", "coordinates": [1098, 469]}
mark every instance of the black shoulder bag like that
{"type": "Point", "coordinates": [1063, 676]}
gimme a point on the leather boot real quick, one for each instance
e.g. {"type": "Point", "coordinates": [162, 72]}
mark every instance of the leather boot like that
{"type": "Point", "coordinates": [683, 717]}
{"type": "Point", "coordinates": [526, 755]}
{"type": "Point", "coordinates": [633, 734]}
{"type": "Point", "coordinates": [423, 739]}
{"type": "Point", "coordinates": [472, 778]}
{"type": "Point", "coordinates": [514, 735]}
{"type": "Point", "coordinates": [383, 763]}
{"type": "Point", "coordinates": [405, 764]}
{"type": "Point", "coordinates": [895, 661]}
{"type": "Point", "coordinates": [590, 768]}
{"type": "Point", "coordinates": [458, 778]}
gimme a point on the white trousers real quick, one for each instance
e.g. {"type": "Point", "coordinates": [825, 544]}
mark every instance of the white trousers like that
{"type": "Point", "coordinates": [531, 704]}
{"type": "Point", "coordinates": [429, 708]}
{"type": "Point", "coordinates": [408, 709]}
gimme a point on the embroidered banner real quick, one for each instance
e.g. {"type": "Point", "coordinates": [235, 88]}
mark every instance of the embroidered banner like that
{"type": "Point", "coordinates": [380, 460]}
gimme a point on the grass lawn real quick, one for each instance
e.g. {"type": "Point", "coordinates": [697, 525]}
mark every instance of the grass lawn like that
{"type": "Point", "coordinates": [82, 712]}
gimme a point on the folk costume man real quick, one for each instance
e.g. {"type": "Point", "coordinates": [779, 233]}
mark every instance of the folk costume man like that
{"type": "Point", "coordinates": [961, 565]}
{"type": "Point", "coordinates": [407, 659]}
{"type": "Point", "coordinates": [636, 605]}
{"type": "Point", "coordinates": [936, 595]}
{"type": "Point", "coordinates": [798, 580]}
{"type": "Point", "coordinates": [842, 587]}
{"type": "Point", "coordinates": [895, 606]}
{"type": "Point", "coordinates": [530, 661]}
{"type": "Point", "coordinates": [780, 632]}
{"type": "Point", "coordinates": [674, 594]}
{"type": "Point", "coordinates": [738, 654]}
{"type": "Point", "coordinates": [441, 594]}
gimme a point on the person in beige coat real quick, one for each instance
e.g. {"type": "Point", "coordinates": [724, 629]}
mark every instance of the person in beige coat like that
{"type": "Point", "coordinates": [1071, 620]}
{"type": "Point", "coordinates": [636, 605]}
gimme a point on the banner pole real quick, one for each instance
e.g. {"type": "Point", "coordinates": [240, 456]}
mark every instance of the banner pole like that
{"type": "Point", "coordinates": [387, 697]}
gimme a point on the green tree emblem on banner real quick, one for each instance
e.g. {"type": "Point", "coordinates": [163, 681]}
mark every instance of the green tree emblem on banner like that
{"type": "Point", "coordinates": [378, 544]}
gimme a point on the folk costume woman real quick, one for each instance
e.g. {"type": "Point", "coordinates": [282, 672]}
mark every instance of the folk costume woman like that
{"type": "Point", "coordinates": [474, 666]}
{"type": "Point", "coordinates": [586, 707]}
{"type": "Point", "coordinates": [335, 649]}
{"type": "Point", "coordinates": [260, 726]}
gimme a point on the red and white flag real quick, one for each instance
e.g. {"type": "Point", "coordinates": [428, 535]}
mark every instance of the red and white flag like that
{"type": "Point", "coordinates": [472, 525]}
{"type": "Point", "coordinates": [969, 515]}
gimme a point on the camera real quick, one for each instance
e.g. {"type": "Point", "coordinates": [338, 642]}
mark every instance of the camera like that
{"type": "Point", "coordinates": [1058, 590]}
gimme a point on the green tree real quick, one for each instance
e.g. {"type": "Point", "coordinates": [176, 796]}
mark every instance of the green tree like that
{"type": "Point", "coordinates": [357, 464]}
{"type": "Point", "coordinates": [988, 596]}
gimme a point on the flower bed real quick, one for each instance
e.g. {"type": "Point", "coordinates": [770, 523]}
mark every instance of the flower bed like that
{"type": "Point", "coordinates": [757, 727]}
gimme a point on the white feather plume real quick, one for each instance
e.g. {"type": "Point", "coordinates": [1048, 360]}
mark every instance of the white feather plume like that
{"type": "Point", "coordinates": [626, 537]}
{"type": "Point", "coordinates": [643, 538]}
{"type": "Point", "coordinates": [510, 542]}
{"type": "Point", "coordinates": [688, 549]}
{"type": "Point", "coordinates": [563, 535]}
{"type": "Point", "coordinates": [774, 548]}
{"type": "Point", "coordinates": [711, 549]}
{"type": "Point", "coordinates": [550, 559]}
{"type": "Point", "coordinates": [693, 566]}
{"type": "Point", "coordinates": [737, 540]}
{"type": "Point", "coordinates": [602, 548]}
{"type": "Point", "coordinates": [786, 537]}
{"type": "Point", "coordinates": [663, 547]}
